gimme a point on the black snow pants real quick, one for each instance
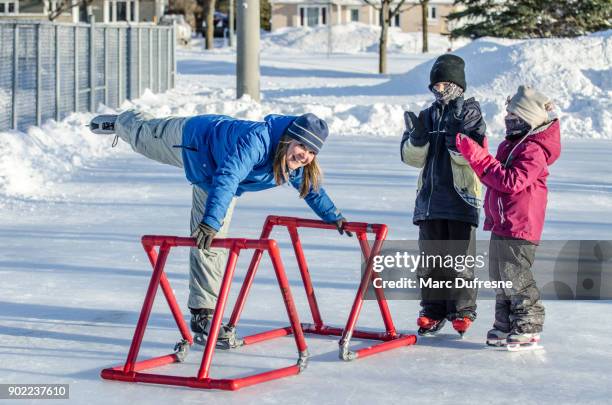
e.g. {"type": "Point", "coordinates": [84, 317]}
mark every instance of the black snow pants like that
{"type": "Point", "coordinates": [441, 238]}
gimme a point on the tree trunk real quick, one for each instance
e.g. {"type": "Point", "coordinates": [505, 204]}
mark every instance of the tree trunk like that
{"type": "Point", "coordinates": [210, 27]}
{"type": "Point", "coordinates": [382, 45]}
{"type": "Point", "coordinates": [424, 11]}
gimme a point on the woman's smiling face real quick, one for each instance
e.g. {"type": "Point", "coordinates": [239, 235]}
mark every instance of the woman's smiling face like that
{"type": "Point", "coordinates": [298, 155]}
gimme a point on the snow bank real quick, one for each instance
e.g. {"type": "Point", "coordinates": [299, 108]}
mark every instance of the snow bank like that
{"type": "Point", "coordinates": [30, 163]}
{"type": "Point", "coordinates": [348, 38]}
{"type": "Point", "coordinates": [576, 73]}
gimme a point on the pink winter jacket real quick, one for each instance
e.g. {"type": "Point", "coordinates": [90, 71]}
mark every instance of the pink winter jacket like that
{"type": "Point", "coordinates": [515, 202]}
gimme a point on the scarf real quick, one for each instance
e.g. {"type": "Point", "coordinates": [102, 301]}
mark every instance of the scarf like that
{"type": "Point", "coordinates": [450, 92]}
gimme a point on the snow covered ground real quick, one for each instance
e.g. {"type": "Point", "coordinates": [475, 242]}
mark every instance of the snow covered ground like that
{"type": "Point", "coordinates": [74, 275]}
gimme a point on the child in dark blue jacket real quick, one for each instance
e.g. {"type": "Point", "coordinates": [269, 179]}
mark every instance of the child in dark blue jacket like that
{"type": "Point", "coordinates": [449, 195]}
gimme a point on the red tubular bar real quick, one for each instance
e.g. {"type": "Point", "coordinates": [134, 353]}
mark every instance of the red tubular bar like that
{"type": "Point", "coordinates": [306, 280]}
{"type": "Point", "coordinates": [358, 302]}
{"type": "Point", "coordinates": [361, 229]}
{"type": "Point", "coordinates": [170, 298]}
{"type": "Point", "coordinates": [296, 326]}
{"type": "Point", "coordinates": [211, 342]}
{"type": "Point", "coordinates": [380, 295]}
{"type": "Point", "coordinates": [248, 281]}
{"type": "Point", "coordinates": [130, 371]}
{"type": "Point", "coordinates": [164, 250]}
{"type": "Point", "coordinates": [207, 383]}
{"type": "Point", "coordinates": [400, 341]}
{"type": "Point", "coordinates": [151, 363]}
{"type": "Point", "coordinates": [271, 334]}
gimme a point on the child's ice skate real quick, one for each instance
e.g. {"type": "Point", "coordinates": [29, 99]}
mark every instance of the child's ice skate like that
{"type": "Point", "coordinates": [517, 342]}
{"type": "Point", "coordinates": [429, 326]}
{"type": "Point", "coordinates": [103, 124]}
{"type": "Point", "coordinates": [461, 325]}
{"type": "Point", "coordinates": [497, 338]}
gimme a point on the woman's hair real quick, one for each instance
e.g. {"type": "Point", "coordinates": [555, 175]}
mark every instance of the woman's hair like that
{"type": "Point", "coordinates": [311, 179]}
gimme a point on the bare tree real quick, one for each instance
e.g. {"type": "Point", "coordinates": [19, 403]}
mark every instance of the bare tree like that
{"type": "Point", "coordinates": [424, 15]}
{"type": "Point", "coordinates": [66, 5]}
{"type": "Point", "coordinates": [387, 12]}
{"type": "Point", "coordinates": [209, 9]}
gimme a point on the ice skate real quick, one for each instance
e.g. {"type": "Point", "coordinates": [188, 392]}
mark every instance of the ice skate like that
{"type": "Point", "coordinates": [461, 325]}
{"type": "Point", "coordinates": [429, 326]}
{"type": "Point", "coordinates": [497, 338]}
{"type": "Point", "coordinates": [200, 326]}
{"type": "Point", "coordinates": [517, 342]}
{"type": "Point", "coordinates": [103, 124]}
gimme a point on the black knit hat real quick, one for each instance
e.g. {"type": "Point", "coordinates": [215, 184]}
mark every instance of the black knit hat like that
{"type": "Point", "coordinates": [448, 68]}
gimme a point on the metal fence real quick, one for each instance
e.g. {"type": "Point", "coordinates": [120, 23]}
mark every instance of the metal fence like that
{"type": "Point", "coordinates": [48, 70]}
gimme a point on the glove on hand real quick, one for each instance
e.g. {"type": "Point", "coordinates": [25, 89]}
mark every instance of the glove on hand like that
{"type": "Point", "coordinates": [477, 156]}
{"type": "Point", "coordinates": [415, 128]}
{"type": "Point", "coordinates": [454, 123]}
{"type": "Point", "coordinates": [340, 227]}
{"type": "Point", "coordinates": [204, 236]}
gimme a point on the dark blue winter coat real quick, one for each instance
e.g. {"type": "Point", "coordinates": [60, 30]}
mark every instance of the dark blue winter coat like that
{"type": "Point", "coordinates": [447, 187]}
{"type": "Point", "coordinates": [227, 157]}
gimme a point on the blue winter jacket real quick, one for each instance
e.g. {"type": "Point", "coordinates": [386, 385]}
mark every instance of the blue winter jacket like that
{"type": "Point", "coordinates": [227, 157]}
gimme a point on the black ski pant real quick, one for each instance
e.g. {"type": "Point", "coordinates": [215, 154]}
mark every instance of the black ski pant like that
{"type": "Point", "coordinates": [517, 309]}
{"type": "Point", "coordinates": [440, 238]}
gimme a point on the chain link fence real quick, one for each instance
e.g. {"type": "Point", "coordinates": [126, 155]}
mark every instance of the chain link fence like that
{"type": "Point", "coordinates": [49, 70]}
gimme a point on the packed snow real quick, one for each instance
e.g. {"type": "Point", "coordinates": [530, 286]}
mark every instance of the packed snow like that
{"type": "Point", "coordinates": [72, 210]}
{"type": "Point", "coordinates": [351, 38]}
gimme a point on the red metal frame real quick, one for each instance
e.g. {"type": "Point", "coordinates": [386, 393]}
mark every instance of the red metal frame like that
{"type": "Point", "coordinates": [131, 371]}
{"type": "Point", "coordinates": [391, 339]}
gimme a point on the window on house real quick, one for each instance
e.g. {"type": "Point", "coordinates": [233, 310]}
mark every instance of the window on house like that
{"type": "Point", "coordinates": [50, 6]}
{"type": "Point", "coordinates": [313, 16]}
{"type": "Point", "coordinates": [8, 7]}
{"type": "Point", "coordinates": [122, 10]}
{"type": "Point", "coordinates": [354, 15]}
{"type": "Point", "coordinates": [395, 21]}
{"type": "Point", "coordinates": [433, 13]}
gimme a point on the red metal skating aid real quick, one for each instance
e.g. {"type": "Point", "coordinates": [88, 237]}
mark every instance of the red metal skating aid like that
{"type": "Point", "coordinates": [391, 339]}
{"type": "Point", "coordinates": [131, 371]}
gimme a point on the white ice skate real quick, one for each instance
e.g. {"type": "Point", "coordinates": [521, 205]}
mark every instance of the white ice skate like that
{"type": "Point", "coordinates": [103, 124]}
{"type": "Point", "coordinates": [518, 342]}
{"type": "Point", "coordinates": [497, 338]}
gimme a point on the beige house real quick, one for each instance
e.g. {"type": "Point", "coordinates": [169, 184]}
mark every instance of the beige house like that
{"type": "Point", "coordinates": [105, 11]}
{"type": "Point", "coordinates": [311, 13]}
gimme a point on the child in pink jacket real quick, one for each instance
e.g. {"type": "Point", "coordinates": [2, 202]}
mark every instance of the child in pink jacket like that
{"type": "Point", "coordinates": [515, 206]}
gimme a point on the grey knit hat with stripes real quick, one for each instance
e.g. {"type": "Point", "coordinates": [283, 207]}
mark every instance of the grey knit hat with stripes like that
{"type": "Point", "coordinates": [309, 130]}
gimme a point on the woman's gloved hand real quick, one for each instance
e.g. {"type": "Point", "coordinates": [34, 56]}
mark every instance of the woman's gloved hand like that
{"type": "Point", "coordinates": [204, 236]}
{"type": "Point", "coordinates": [340, 226]}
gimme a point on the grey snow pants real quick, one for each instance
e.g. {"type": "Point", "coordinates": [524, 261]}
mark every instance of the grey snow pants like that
{"type": "Point", "coordinates": [156, 139]}
{"type": "Point", "coordinates": [517, 309]}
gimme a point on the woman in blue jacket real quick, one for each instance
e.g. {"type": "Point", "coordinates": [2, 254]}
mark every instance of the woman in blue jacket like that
{"type": "Point", "coordinates": [224, 157]}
